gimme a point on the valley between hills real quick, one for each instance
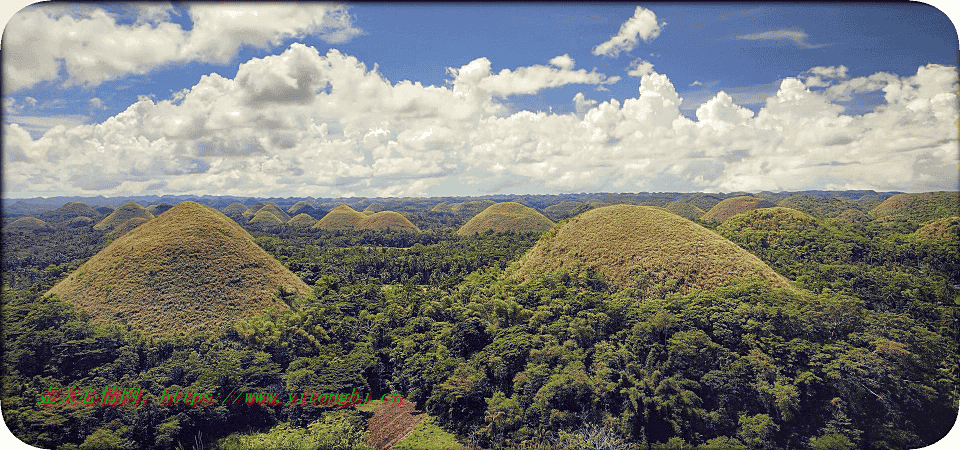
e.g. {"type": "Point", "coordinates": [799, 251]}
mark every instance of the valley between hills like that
{"type": "Point", "coordinates": [795, 320]}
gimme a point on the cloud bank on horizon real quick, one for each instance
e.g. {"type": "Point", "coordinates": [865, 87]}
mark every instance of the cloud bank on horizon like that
{"type": "Point", "coordinates": [303, 121]}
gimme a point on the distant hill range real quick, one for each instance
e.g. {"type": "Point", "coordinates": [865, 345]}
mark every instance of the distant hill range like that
{"type": "Point", "coordinates": [189, 269]}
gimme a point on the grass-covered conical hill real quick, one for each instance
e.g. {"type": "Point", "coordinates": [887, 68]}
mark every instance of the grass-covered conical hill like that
{"type": "Point", "coordinates": [275, 210]}
{"type": "Point", "coordinates": [82, 221]}
{"type": "Point", "coordinates": [735, 205]}
{"type": "Point", "coordinates": [266, 218]}
{"type": "Point", "coordinates": [645, 247]}
{"type": "Point", "coordinates": [192, 268]}
{"type": "Point", "coordinates": [386, 219]}
{"type": "Point", "coordinates": [122, 214]}
{"type": "Point", "coordinates": [918, 208]}
{"type": "Point", "coordinates": [234, 209]}
{"type": "Point", "coordinates": [507, 216]}
{"type": "Point", "coordinates": [684, 209]}
{"type": "Point", "coordinates": [27, 224]}
{"type": "Point", "coordinates": [302, 207]}
{"type": "Point", "coordinates": [252, 210]}
{"type": "Point", "coordinates": [342, 217]}
{"type": "Point", "coordinates": [947, 228]}
{"type": "Point", "coordinates": [302, 220]}
{"type": "Point", "coordinates": [70, 211]}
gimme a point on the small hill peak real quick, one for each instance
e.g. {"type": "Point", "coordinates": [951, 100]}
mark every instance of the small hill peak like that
{"type": "Point", "coordinates": [645, 247]}
{"type": "Point", "coordinates": [122, 214]}
{"type": "Point", "coordinates": [735, 205]}
{"type": "Point", "coordinates": [507, 216]}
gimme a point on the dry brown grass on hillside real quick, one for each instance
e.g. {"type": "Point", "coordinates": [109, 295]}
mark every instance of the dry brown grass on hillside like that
{"type": "Point", "coordinates": [646, 247]}
{"type": "Point", "coordinates": [342, 217]}
{"type": "Point", "coordinates": [684, 210]}
{"type": "Point", "coordinates": [189, 269]}
{"type": "Point", "coordinates": [736, 205]}
{"type": "Point", "coordinates": [946, 228]}
{"type": "Point", "coordinates": [302, 220]}
{"type": "Point", "coordinates": [122, 214]}
{"type": "Point", "coordinates": [386, 219]}
{"type": "Point", "coordinates": [507, 216]}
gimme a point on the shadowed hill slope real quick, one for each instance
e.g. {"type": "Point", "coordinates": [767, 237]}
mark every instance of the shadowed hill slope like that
{"type": "Point", "coordinates": [946, 228]}
{"type": "Point", "coordinates": [69, 211]}
{"type": "Point", "coordinates": [736, 205]}
{"type": "Point", "coordinates": [303, 207]}
{"type": "Point", "coordinates": [507, 216]}
{"type": "Point", "coordinates": [189, 269]}
{"type": "Point", "coordinates": [684, 210]}
{"type": "Point", "coordinates": [342, 217]}
{"type": "Point", "coordinates": [918, 208]}
{"type": "Point", "coordinates": [645, 247]}
{"type": "Point", "coordinates": [126, 227]}
{"type": "Point", "coordinates": [252, 210]}
{"type": "Point", "coordinates": [156, 210]}
{"type": "Point", "coordinates": [386, 219]}
{"type": "Point", "coordinates": [122, 214]}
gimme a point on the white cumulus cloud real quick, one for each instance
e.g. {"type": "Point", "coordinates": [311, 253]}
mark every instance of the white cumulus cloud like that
{"type": "Point", "coordinates": [642, 26]}
{"type": "Point", "coordinates": [91, 47]}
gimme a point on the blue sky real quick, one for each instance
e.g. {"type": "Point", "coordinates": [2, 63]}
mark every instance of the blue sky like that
{"type": "Point", "coordinates": [112, 99]}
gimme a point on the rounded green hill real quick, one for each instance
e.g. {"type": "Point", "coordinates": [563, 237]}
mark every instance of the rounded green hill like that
{"type": "Point", "coordinates": [684, 210]}
{"type": "Point", "coordinates": [645, 247]}
{"type": "Point", "coordinates": [234, 209]}
{"type": "Point", "coordinates": [70, 211]}
{"type": "Point", "coordinates": [564, 209]}
{"type": "Point", "coordinates": [271, 208]}
{"type": "Point", "coordinates": [919, 208]}
{"type": "Point", "coordinates": [190, 269]}
{"type": "Point", "coordinates": [252, 210]}
{"type": "Point", "coordinates": [302, 207]}
{"type": "Point", "coordinates": [122, 214]}
{"type": "Point", "coordinates": [818, 206]}
{"type": "Point", "coordinates": [266, 218]}
{"type": "Point", "coordinates": [735, 205]}
{"type": "Point", "coordinates": [25, 224]}
{"type": "Point", "coordinates": [342, 217]}
{"type": "Point", "coordinates": [946, 228]}
{"type": "Point", "coordinates": [302, 220]}
{"type": "Point", "coordinates": [386, 219]}
{"type": "Point", "coordinates": [777, 218]}
{"type": "Point", "coordinates": [507, 216]}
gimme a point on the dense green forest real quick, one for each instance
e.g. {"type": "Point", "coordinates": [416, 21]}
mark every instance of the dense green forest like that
{"type": "Point", "coordinates": [862, 353]}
